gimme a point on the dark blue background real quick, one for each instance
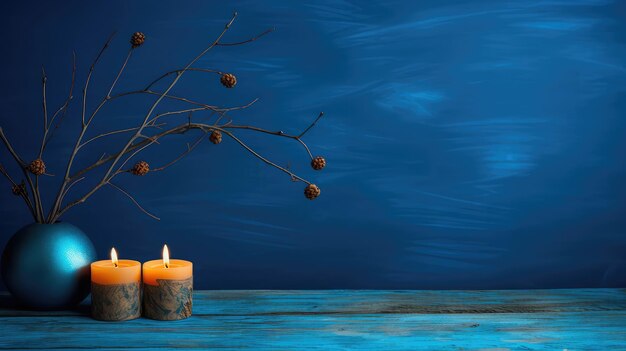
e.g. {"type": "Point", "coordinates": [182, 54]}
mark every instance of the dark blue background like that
{"type": "Point", "coordinates": [469, 144]}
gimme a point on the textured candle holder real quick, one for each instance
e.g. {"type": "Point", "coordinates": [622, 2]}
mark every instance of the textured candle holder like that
{"type": "Point", "coordinates": [116, 302]}
{"type": "Point", "coordinates": [169, 300]}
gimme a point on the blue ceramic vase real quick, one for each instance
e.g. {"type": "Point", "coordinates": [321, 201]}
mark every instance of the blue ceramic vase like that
{"type": "Point", "coordinates": [46, 266]}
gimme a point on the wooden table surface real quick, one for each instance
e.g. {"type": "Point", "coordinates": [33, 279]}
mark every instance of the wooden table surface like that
{"type": "Point", "coordinates": [577, 319]}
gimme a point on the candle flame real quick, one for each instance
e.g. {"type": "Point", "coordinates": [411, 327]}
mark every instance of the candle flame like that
{"type": "Point", "coordinates": [114, 256]}
{"type": "Point", "coordinates": [166, 257]}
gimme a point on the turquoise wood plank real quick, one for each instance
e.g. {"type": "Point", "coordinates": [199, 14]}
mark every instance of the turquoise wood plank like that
{"type": "Point", "coordinates": [367, 320]}
{"type": "Point", "coordinates": [234, 302]}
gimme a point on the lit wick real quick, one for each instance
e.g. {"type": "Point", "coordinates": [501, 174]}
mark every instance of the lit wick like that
{"type": "Point", "coordinates": [114, 257]}
{"type": "Point", "coordinates": [166, 257]}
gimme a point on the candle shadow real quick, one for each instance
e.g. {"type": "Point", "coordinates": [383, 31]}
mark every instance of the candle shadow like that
{"type": "Point", "coordinates": [9, 306]}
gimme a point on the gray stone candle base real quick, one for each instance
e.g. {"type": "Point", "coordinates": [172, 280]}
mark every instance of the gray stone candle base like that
{"type": "Point", "coordinates": [170, 300]}
{"type": "Point", "coordinates": [120, 302]}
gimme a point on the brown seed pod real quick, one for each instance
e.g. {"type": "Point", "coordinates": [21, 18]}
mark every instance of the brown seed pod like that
{"type": "Point", "coordinates": [312, 191]}
{"type": "Point", "coordinates": [18, 189]}
{"type": "Point", "coordinates": [141, 168]}
{"type": "Point", "coordinates": [228, 80]}
{"type": "Point", "coordinates": [215, 137]}
{"type": "Point", "coordinates": [137, 39]}
{"type": "Point", "coordinates": [37, 167]}
{"type": "Point", "coordinates": [318, 163]}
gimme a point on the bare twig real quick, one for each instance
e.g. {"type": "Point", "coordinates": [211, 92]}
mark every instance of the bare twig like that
{"type": "Point", "coordinates": [219, 118]}
{"type": "Point", "coordinates": [205, 70]}
{"type": "Point", "coordinates": [91, 69]}
{"type": "Point", "coordinates": [23, 166]}
{"type": "Point", "coordinates": [150, 140]}
{"type": "Point", "coordinates": [311, 125]}
{"type": "Point", "coordinates": [182, 99]}
{"type": "Point", "coordinates": [37, 196]}
{"type": "Point", "coordinates": [177, 112]}
{"type": "Point", "coordinates": [106, 134]}
{"type": "Point", "coordinates": [71, 185]}
{"type": "Point", "coordinates": [113, 132]}
{"type": "Point", "coordinates": [64, 107]}
{"type": "Point", "coordinates": [181, 156]}
{"type": "Point", "coordinates": [257, 155]}
{"type": "Point", "coordinates": [149, 86]}
{"type": "Point", "coordinates": [235, 108]}
{"type": "Point", "coordinates": [267, 31]}
{"type": "Point", "coordinates": [134, 201]}
{"type": "Point", "coordinates": [35, 189]}
{"type": "Point", "coordinates": [23, 194]}
{"type": "Point", "coordinates": [280, 132]}
{"type": "Point", "coordinates": [119, 73]}
{"type": "Point", "coordinates": [44, 80]}
{"type": "Point", "coordinates": [161, 95]}
{"type": "Point", "coordinates": [306, 147]}
{"type": "Point", "coordinates": [84, 125]}
{"type": "Point", "coordinates": [221, 111]}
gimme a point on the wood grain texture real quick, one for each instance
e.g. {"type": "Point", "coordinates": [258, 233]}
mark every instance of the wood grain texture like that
{"type": "Point", "coordinates": [588, 319]}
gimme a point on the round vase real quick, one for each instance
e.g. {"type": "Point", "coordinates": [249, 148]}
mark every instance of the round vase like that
{"type": "Point", "coordinates": [46, 266]}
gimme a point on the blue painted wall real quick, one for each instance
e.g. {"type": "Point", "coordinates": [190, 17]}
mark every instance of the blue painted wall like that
{"type": "Point", "coordinates": [470, 144]}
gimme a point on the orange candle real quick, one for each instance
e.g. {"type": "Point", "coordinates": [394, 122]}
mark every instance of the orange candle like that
{"type": "Point", "coordinates": [115, 289]}
{"type": "Point", "coordinates": [166, 269]}
{"type": "Point", "coordinates": [167, 288]}
{"type": "Point", "coordinates": [114, 271]}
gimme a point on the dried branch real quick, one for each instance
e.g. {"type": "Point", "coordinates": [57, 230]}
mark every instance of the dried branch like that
{"type": "Point", "coordinates": [205, 127]}
{"type": "Point", "coordinates": [91, 69]}
{"type": "Point", "coordinates": [306, 147]}
{"type": "Point", "coordinates": [109, 173]}
{"type": "Point", "coordinates": [23, 194]}
{"type": "Point", "coordinates": [219, 118]}
{"type": "Point", "coordinates": [134, 201]}
{"type": "Point", "coordinates": [172, 97]}
{"type": "Point", "coordinates": [9, 147]}
{"type": "Point", "coordinates": [64, 107]}
{"type": "Point", "coordinates": [177, 112]}
{"type": "Point", "coordinates": [150, 141]}
{"type": "Point", "coordinates": [221, 111]}
{"type": "Point", "coordinates": [181, 156]}
{"type": "Point", "coordinates": [210, 70]}
{"type": "Point", "coordinates": [113, 132]}
{"type": "Point", "coordinates": [311, 125]}
{"type": "Point", "coordinates": [186, 100]}
{"type": "Point", "coordinates": [71, 185]}
{"type": "Point", "coordinates": [23, 166]}
{"type": "Point", "coordinates": [181, 129]}
{"type": "Point", "coordinates": [119, 73]}
{"type": "Point", "coordinates": [44, 80]}
{"type": "Point", "coordinates": [106, 134]}
{"type": "Point", "coordinates": [84, 125]}
{"type": "Point", "coordinates": [35, 188]}
{"type": "Point", "coordinates": [256, 154]}
{"type": "Point", "coordinates": [37, 196]}
{"type": "Point", "coordinates": [280, 132]}
{"type": "Point", "coordinates": [205, 70]}
{"type": "Point", "coordinates": [249, 40]}
{"type": "Point", "coordinates": [140, 139]}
